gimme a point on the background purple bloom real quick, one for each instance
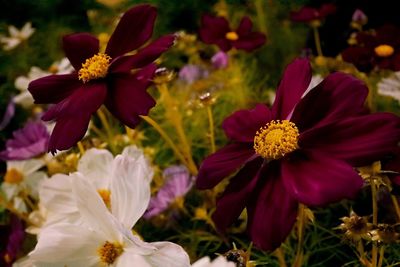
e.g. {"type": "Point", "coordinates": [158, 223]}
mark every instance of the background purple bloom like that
{"type": "Point", "coordinates": [27, 142]}
{"type": "Point", "coordinates": [191, 73]}
{"type": "Point", "coordinates": [8, 114]}
{"type": "Point", "coordinates": [220, 60]}
{"type": "Point", "coordinates": [177, 183]}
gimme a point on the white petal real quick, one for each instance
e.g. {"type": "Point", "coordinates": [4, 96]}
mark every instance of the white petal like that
{"type": "Point", "coordinates": [96, 165]}
{"type": "Point", "coordinates": [218, 262]}
{"type": "Point", "coordinates": [10, 190]}
{"type": "Point", "coordinates": [203, 262]}
{"type": "Point", "coordinates": [19, 205]}
{"type": "Point", "coordinates": [56, 197]}
{"type": "Point", "coordinates": [26, 167]}
{"type": "Point", "coordinates": [21, 83]}
{"type": "Point", "coordinates": [130, 190]}
{"type": "Point", "coordinates": [67, 245]}
{"type": "Point", "coordinates": [27, 30]}
{"type": "Point", "coordinates": [93, 210]}
{"type": "Point", "coordinates": [168, 255]}
{"type": "Point", "coordinates": [138, 155]}
{"type": "Point", "coordinates": [32, 181]}
{"type": "Point", "coordinates": [129, 259]}
{"type": "Point", "coordinates": [14, 32]}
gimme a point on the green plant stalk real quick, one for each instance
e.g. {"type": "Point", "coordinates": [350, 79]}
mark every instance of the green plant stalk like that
{"type": "Point", "coordinates": [211, 124]}
{"type": "Point", "coordinates": [106, 125]}
{"type": "Point", "coordinates": [317, 41]}
{"type": "Point", "coordinates": [374, 251]}
{"type": "Point", "coordinates": [176, 120]}
{"type": "Point", "coordinates": [298, 261]}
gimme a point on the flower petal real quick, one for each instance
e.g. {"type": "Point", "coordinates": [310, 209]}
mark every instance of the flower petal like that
{"type": "Point", "coordinates": [96, 166]}
{"type": "Point", "coordinates": [8, 114]}
{"type": "Point", "coordinates": [359, 140]}
{"type": "Point", "coordinates": [129, 259]}
{"type": "Point", "coordinates": [272, 212]}
{"type": "Point", "coordinates": [168, 255]}
{"type": "Point", "coordinates": [132, 31]}
{"type": "Point", "coordinates": [67, 245]}
{"type": "Point", "coordinates": [128, 98]}
{"type": "Point", "coordinates": [213, 29]}
{"type": "Point", "coordinates": [145, 56]}
{"type": "Point", "coordinates": [250, 41]}
{"type": "Point", "coordinates": [338, 96]}
{"type": "Point", "coordinates": [130, 190]}
{"type": "Point", "coordinates": [223, 163]}
{"type": "Point", "coordinates": [234, 199]}
{"type": "Point", "coordinates": [245, 26]}
{"type": "Point", "coordinates": [72, 115]}
{"type": "Point", "coordinates": [54, 88]}
{"type": "Point", "coordinates": [295, 81]}
{"type": "Point", "coordinates": [80, 46]}
{"type": "Point", "coordinates": [93, 210]}
{"type": "Point", "coordinates": [316, 179]}
{"type": "Point", "coordinates": [242, 125]}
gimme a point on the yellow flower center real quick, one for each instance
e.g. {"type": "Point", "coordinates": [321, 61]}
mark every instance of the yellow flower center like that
{"type": "Point", "coordinates": [276, 139]}
{"type": "Point", "coordinates": [105, 194]}
{"type": "Point", "coordinates": [13, 176]}
{"type": "Point", "coordinates": [109, 252]}
{"type": "Point", "coordinates": [384, 50]}
{"type": "Point", "coordinates": [94, 68]}
{"type": "Point", "coordinates": [232, 36]}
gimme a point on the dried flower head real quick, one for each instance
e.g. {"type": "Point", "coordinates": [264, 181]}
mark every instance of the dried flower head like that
{"type": "Point", "coordinates": [355, 227]}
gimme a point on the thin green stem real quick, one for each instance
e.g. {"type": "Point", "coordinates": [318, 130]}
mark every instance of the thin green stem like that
{"type": "Point", "coordinates": [317, 41]}
{"type": "Point", "coordinates": [106, 125]}
{"type": "Point", "coordinates": [279, 253]}
{"type": "Point", "coordinates": [381, 256]}
{"type": "Point", "coordinates": [374, 221]}
{"type": "Point", "coordinates": [300, 235]}
{"type": "Point", "coordinates": [211, 124]}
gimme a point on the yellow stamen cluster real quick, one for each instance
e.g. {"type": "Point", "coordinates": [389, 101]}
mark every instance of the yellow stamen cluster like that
{"type": "Point", "coordinates": [13, 176]}
{"type": "Point", "coordinates": [276, 139]}
{"type": "Point", "coordinates": [105, 194]}
{"type": "Point", "coordinates": [95, 67]}
{"type": "Point", "coordinates": [232, 36]}
{"type": "Point", "coordinates": [384, 50]}
{"type": "Point", "coordinates": [109, 252]}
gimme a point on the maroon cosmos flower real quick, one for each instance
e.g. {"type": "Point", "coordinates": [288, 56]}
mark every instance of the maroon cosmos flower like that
{"type": "Point", "coordinates": [216, 30]}
{"type": "Point", "coordinates": [302, 150]}
{"type": "Point", "coordinates": [11, 240]}
{"type": "Point", "coordinates": [379, 49]}
{"type": "Point", "coordinates": [310, 14]}
{"type": "Point", "coordinates": [102, 78]}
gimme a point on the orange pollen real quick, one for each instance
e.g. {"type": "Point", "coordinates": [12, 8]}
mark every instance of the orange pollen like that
{"type": "Point", "coordinates": [232, 36]}
{"type": "Point", "coordinates": [13, 176]}
{"type": "Point", "coordinates": [105, 194]}
{"type": "Point", "coordinates": [109, 252]}
{"type": "Point", "coordinates": [276, 139]}
{"type": "Point", "coordinates": [384, 50]}
{"type": "Point", "coordinates": [94, 68]}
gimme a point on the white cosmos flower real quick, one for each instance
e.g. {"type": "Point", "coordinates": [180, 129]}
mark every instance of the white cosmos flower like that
{"type": "Point", "coordinates": [218, 262]}
{"type": "Point", "coordinates": [104, 238]}
{"type": "Point", "coordinates": [16, 36]}
{"type": "Point", "coordinates": [22, 179]}
{"type": "Point", "coordinates": [390, 86]}
{"type": "Point", "coordinates": [105, 174]}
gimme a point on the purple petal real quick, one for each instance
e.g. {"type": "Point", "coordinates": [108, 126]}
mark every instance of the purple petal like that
{"type": "Point", "coordinates": [220, 60]}
{"type": "Point", "coordinates": [245, 26]}
{"type": "Point", "coordinates": [242, 125]}
{"type": "Point", "coordinates": [145, 56]}
{"type": "Point", "coordinates": [223, 163]}
{"type": "Point", "coordinates": [72, 115]}
{"type": "Point", "coordinates": [338, 96]}
{"type": "Point", "coordinates": [305, 14]}
{"type": "Point", "coordinates": [271, 212]}
{"type": "Point", "coordinates": [316, 179]}
{"type": "Point", "coordinates": [295, 81]}
{"type": "Point", "coordinates": [128, 97]}
{"type": "Point", "coordinates": [213, 30]}
{"type": "Point", "coordinates": [234, 199]}
{"type": "Point", "coordinates": [80, 46]}
{"type": "Point", "coordinates": [8, 114]}
{"type": "Point", "coordinates": [28, 142]}
{"type": "Point", "coordinates": [54, 88]}
{"type": "Point", "coordinates": [132, 31]}
{"type": "Point", "coordinates": [358, 140]}
{"type": "Point", "coordinates": [250, 42]}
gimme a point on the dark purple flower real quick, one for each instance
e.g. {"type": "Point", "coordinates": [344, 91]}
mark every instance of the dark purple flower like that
{"type": "Point", "coordinates": [191, 73]}
{"type": "Point", "coordinates": [302, 150]}
{"type": "Point", "coordinates": [8, 114]}
{"type": "Point", "coordinates": [177, 183]}
{"type": "Point", "coordinates": [12, 236]}
{"type": "Point", "coordinates": [380, 49]}
{"type": "Point", "coordinates": [220, 60]}
{"type": "Point", "coordinates": [216, 30]}
{"type": "Point", "coordinates": [102, 78]}
{"type": "Point", "coordinates": [359, 17]}
{"type": "Point", "coordinates": [310, 14]}
{"type": "Point", "coordinates": [28, 142]}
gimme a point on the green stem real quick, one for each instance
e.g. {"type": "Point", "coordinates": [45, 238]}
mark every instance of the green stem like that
{"type": "Point", "coordinates": [300, 235]}
{"type": "Point", "coordinates": [211, 124]}
{"type": "Point", "coordinates": [317, 41]}
{"type": "Point", "coordinates": [381, 256]}
{"type": "Point", "coordinates": [374, 221]}
{"type": "Point", "coordinates": [108, 129]}
{"type": "Point", "coordinates": [281, 257]}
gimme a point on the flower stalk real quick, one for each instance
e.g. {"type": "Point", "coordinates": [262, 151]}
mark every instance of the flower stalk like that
{"type": "Point", "coordinates": [317, 41]}
{"type": "Point", "coordinates": [211, 125]}
{"type": "Point", "coordinates": [300, 236]}
{"type": "Point", "coordinates": [374, 251]}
